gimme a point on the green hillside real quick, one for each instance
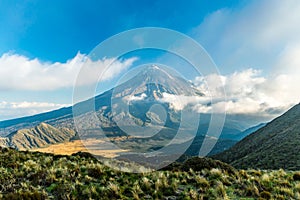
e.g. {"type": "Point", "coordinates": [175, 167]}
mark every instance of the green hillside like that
{"type": "Point", "coordinates": [28, 175]}
{"type": "Point", "coordinates": [275, 146]}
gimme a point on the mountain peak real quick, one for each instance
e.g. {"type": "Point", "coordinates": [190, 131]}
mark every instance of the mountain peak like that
{"type": "Point", "coordinates": [154, 67]}
{"type": "Point", "coordinates": [43, 124]}
{"type": "Point", "coordinates": [153, 72]}
{"type": "Point", "coordinates": [153, 81]}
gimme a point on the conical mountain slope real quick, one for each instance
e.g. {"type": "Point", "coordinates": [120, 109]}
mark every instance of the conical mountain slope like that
{"type": "Point", "coordinates": [149, 84]}
{"type": "Point", "coordinates": [277, 145]}
{"type": "Point", "coordinates": [130, 103]}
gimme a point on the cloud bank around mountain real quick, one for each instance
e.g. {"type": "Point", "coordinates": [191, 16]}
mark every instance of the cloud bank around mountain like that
{"type": "Point", "coordinates": [249, 92]}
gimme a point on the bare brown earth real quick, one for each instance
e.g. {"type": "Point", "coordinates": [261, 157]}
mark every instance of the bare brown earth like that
{"type": "Point", "coordinates": [94, 146]}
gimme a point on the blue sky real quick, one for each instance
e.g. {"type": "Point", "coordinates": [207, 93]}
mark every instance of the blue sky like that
{"type": "Point", "coordinates": [255, 44]}
{"type": "Point", "coordinates": [57, 30]}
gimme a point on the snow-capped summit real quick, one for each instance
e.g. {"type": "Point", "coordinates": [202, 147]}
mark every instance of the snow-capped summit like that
{"type": "Point", "coordinates": [153, 81]}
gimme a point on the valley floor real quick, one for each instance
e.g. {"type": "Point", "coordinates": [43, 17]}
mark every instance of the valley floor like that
{"type": "Point", "coordinates": [71, 147]}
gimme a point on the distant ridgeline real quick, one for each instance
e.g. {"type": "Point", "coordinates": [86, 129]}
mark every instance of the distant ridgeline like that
{"type": "Point", "coordinates": [39, 136]}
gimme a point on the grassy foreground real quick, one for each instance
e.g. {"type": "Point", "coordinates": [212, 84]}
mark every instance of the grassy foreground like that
{"type": "Point", "coordinates": [33, 175]}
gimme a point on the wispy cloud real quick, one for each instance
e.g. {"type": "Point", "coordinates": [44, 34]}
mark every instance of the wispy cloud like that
{"type": "Point", "coordinates": [21, 73]}
{"type": "Point", "coordinates": [10, 110]}
{"type": "Point", "coordinates": [254, 35]}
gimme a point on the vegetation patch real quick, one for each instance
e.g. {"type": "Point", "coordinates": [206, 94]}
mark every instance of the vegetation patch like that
{"type": "Point", "coordinates": [34, 175]}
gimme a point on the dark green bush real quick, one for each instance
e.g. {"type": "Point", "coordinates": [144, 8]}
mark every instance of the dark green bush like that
{"type": "Point", "coordinates": [296, 176]}
{"type": "Point", "coordinates": [265, 195]}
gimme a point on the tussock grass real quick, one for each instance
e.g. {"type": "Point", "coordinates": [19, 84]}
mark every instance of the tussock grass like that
{"type": "Point", "coordinates": [32, 175]}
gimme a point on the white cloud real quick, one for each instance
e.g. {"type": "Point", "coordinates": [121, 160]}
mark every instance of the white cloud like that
{"type": "Point", "coordinates": [21, 73]}
{"type": "Point", "coordinates": [136, 98]}
{"type": "Point", "coordinates": [247, 93]}
{"type": "Point", "coordinates": [179, 102]}
{"type": "Point", "coordinates": [10, 110]}
{"type": "Point", "coordinates": [252, 35]}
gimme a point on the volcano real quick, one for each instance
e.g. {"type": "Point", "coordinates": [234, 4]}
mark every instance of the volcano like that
{"type": "Point", "coordinates": [135, 109]}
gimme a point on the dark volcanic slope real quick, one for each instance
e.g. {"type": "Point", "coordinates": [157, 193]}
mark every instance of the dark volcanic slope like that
{"type": "Point", "coordinates": [277, 145]}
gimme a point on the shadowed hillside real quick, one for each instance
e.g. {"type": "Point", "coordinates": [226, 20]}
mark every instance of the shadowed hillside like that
{"type": "Point", "coordinates": [277, 145]}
